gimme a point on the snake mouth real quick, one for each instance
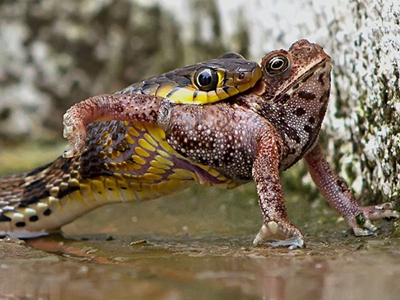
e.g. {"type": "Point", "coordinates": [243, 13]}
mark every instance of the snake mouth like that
{"type": "Point", "coordinates": [258, 89]}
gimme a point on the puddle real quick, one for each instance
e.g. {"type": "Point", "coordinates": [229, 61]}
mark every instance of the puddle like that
{"type": "Point", "coordinates": [197, 268]}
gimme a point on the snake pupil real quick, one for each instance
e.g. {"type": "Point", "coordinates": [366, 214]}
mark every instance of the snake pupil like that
{"type": "Point", "coordinates": [206, 79]}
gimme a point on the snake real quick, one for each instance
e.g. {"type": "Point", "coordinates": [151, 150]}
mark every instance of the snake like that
{"type": "Point", "coordinates": [123, 161]}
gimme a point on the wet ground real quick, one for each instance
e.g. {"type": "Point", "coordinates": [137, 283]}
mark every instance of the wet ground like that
{"type": "Point", "coordinates": [197, 245]}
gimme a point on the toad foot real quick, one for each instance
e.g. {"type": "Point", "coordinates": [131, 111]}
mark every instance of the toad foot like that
{"type": "Point", "coordinates": [363, 225]}
{"type": "Point", "coordinates": [272, 231]}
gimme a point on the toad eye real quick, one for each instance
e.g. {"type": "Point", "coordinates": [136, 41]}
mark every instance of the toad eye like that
{"type": "Point", "coordinates": [205, 79]}
{"type": "Point", "coordinates": [277, 65]}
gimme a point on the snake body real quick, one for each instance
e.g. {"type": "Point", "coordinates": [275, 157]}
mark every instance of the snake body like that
{"type": "Point", "coordinates": [122, 161]}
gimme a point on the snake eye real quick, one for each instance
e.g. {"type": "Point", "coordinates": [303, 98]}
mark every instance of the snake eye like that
{"type": "Point", "coordinates": [277, 65]}
{"type": "Point", "coordinates": [205, 79]}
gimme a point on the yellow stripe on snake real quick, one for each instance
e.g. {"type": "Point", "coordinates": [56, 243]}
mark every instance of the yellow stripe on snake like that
{"type": "Point", "coordinates": [122, 161]}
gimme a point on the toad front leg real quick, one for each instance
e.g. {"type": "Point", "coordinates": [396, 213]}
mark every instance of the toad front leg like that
{"type": "Point", "coordinates": [341, 199]}
{"type": "Point", "coordinates": [106, 107]}
{"type": "Point", "coordinates": [276, 227]}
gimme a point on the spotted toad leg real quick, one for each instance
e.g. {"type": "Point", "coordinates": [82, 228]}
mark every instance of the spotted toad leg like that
{"type": "Point", "coordinates": [276, 227]}
{"type": "Point", "coordinates": [135, 108]}
{"type": "Point", "coordinates": [341, 199]}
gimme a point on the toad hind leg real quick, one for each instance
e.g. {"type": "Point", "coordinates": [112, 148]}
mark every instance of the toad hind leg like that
{"type": "Point", "coordinates": [341, 199]}
{"type": "Point", "coordinates": [276, 230]}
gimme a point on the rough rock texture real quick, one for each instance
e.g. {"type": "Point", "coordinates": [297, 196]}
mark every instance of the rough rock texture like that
{"type": "Point", "coordinates": [364, 125]}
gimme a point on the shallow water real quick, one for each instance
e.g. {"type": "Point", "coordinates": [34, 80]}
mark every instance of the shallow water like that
{"type": "Point", "coordinates": [198, 268]}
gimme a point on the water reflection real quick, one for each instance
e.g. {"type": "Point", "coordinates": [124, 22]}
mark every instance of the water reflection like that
{"type": "Point", "coordinates": [220, 269]}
